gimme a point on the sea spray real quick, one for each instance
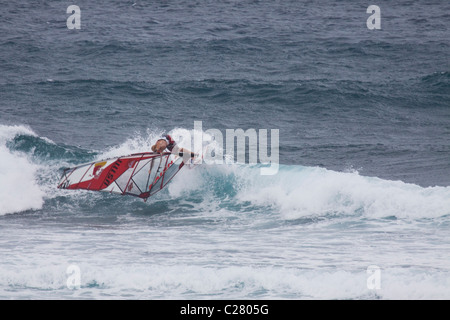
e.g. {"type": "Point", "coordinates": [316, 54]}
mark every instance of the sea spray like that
{"type": "Point", "coordinates": [19, 190]}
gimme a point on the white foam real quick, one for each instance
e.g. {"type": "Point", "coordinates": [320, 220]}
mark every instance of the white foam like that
{"type": "Point", "coordinates": [298, 192]}
{"type": "Point", "coordinates": [9, 132]}
{"type": "Point", "coordinates": [19, 190]}
{"type": "Point", "coordinates": [154, 281]}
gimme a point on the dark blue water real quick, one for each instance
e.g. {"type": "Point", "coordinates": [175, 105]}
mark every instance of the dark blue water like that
{"type": "Point", "coordinates": [364, 123]}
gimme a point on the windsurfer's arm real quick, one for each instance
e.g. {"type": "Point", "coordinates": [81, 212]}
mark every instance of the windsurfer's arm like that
{"type": "Point", "coordinates": [175, 149]}
{"type": "Point", "coordinates": [186, 151]}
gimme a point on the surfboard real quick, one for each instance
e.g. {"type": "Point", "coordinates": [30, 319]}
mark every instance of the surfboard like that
{"type": "Point", "coordinates": [139, 174]}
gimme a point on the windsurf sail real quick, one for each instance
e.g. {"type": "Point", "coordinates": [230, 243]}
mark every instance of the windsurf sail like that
{"type": "Point", "coordinates": [140, 174]}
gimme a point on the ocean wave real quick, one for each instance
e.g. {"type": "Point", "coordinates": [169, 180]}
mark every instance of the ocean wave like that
{"type": "Point", "coordinates": [294, 192]}
{"type": "Point", "coordinates": [155, 281]}
{"type": "Point", "coordinates": [298, 192]}
{"type": "Point", "coordinates": [43, 150]}
{"type": "Point", "coordinates": [438, 82]}
{"type": "Point", "coordinates": [19, 189]}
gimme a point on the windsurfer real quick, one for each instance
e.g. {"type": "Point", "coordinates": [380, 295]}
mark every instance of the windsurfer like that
{"type": "Point", "coordinates": [168, 143]}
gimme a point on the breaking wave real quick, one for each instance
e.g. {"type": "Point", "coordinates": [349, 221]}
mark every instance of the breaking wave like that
{"type": "Point", "coordinates": [31, 163]}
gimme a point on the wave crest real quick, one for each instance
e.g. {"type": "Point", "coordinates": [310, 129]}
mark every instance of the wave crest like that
{"type": "Point", "coordinates": [19, 190]}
